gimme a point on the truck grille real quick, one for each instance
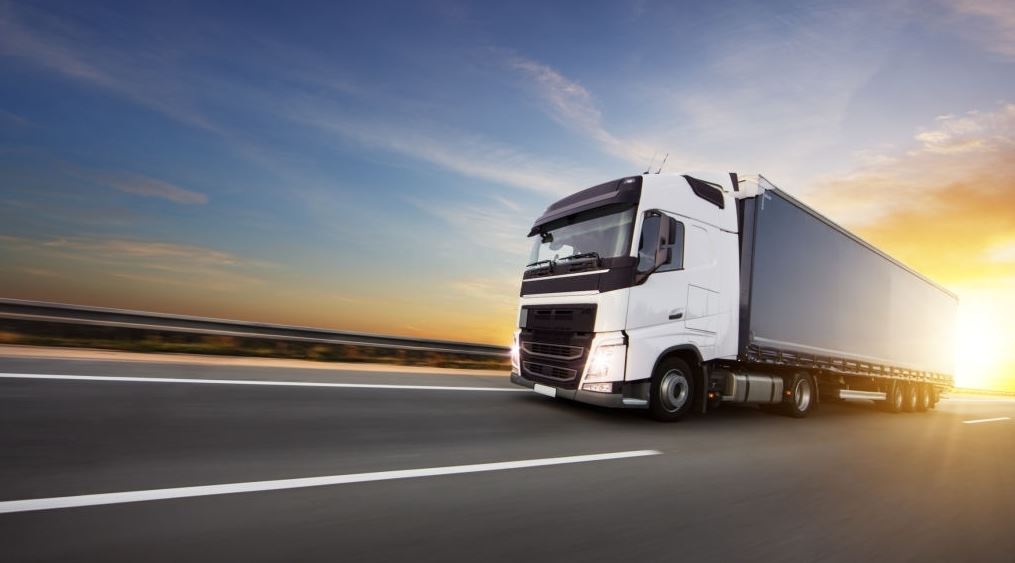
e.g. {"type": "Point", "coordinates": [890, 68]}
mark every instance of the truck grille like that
{"type": "Point", "coordinates": [553, 314]}
{"type": "Point", "coordinates": [553, 372]}
{"type": "Point", "coordinates": [558, 351]}
{"type": "Point", "coordinates": [555, 342]}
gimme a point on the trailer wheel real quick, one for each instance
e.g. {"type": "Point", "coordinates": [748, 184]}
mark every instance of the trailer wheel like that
{"type": "Point", "coordinates": [925, 399]}
{"type": "Point", "coordinates": [894, 399]}
{"type": "Point", "coordinates": [801, 396]}
{"type": "Point", "coordinates": [911, 397]}
{"type": "Point", "coordinates": [672, 391]}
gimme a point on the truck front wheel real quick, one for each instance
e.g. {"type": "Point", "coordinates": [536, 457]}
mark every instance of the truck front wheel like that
{"type": "Point", "coordinates": [672, 391]}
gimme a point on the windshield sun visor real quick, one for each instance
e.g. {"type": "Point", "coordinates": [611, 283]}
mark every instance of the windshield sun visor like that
{"type": "Point", "coordinates": [624, 190]}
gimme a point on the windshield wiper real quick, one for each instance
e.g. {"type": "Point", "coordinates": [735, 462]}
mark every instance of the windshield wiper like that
{"type": "Point", "coordinates": [581, 256]}
{"type": "Point", "coordinates": [540, 267]}
{"type": "Point", "coordinates": [581, 262]}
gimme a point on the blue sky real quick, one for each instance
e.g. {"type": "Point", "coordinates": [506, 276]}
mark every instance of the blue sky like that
{"type": "Point", "coordinates": [374, 166]}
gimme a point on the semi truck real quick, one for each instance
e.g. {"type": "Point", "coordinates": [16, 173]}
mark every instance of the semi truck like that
{"type": "Point", "coordinates": [678, 293]}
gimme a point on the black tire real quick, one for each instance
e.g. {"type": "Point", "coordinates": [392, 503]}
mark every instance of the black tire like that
{"type": "Point", "coordinates": [672, 391]}
{"type": "Point", "coordinates": [911, 397]}
{"type": "Point", "coordinates": [924, 398]}
{"type": "Point", "coordinates": [894, 398]}
{"type": "Point", "coordinates": [802, 397]}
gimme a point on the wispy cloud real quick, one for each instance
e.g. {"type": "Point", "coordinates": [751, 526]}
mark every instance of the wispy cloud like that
{"type": "Point", "coordinates": [139, 249]}
{"type": "Point", "coordinates": [951, 151]}
{"type": "Point", "coordinates": [972, 132]}
{"type": "Point", "coordinates": [150, 187]}
{"type": "Point", "coordinates": [995, 20]}
{"type": "Point", "coordinates": [568, 103]}
{"type": "Point", "coordinates": [125, 181]}
{"type": "Point", "coordinates": [1003, 252]}
{"type": "Point", "coordinates": [142, 75]}
{"type": "Point", "coordinates": [148, 261]}
{"type": "Point", "coordinates": [202, 278]}
{"type": "Point", "coordinates": [154, 77]}
{"type": "Point", "coordinates": [461, 152]}
{"type": "Point", "coordinates": [774, 94]}
{"type": "Point", "coordinates": [39, 272]}
{"type": "Point", "coordinates": [494, 226]}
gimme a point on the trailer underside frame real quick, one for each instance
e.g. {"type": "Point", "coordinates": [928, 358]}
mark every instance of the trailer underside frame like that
{"type": "Point", "coordinates": [841, 366]}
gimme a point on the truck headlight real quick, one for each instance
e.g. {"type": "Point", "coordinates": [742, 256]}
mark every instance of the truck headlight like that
{"type": "Point", "coordinates": [515, 362]}
{"type": "Point", "coordinates": [607, 363]}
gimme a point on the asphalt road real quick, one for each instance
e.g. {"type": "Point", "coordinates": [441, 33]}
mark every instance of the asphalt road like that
{"type": "Point", "coordinates": [848, 484]}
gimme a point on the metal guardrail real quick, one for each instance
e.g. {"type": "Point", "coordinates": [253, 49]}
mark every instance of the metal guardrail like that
{"type": "Point", "coordinates": [41, 311]}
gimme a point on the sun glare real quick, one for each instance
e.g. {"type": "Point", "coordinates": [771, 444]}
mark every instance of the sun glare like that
{"type": "Point", "coordinates": [978, 339]}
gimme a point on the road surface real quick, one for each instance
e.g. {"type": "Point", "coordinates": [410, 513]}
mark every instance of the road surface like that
{"type": "Point", "coordinates": [440, 466]}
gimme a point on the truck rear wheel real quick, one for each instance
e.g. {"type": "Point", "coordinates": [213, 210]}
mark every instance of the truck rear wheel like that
{"type": "Point", "coordinates": [672, 391]}
{"type": "Point", "coordinates": [925, 400]}
{"type": "Point", "coordinates": [801, 396]}
{"type": "Point", "coordinates": [911, 397]}
{"type": "Point", "coordinates": [894, 398]}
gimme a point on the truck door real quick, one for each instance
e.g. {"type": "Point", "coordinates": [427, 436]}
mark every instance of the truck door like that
{"type": "Point", "coordinates": [700, 268]}
{"type": "Point", "coordinates": [677, 303]}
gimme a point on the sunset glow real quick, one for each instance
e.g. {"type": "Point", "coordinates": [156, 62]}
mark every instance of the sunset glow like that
{"type": "Point", "coordinates": [983, 355]}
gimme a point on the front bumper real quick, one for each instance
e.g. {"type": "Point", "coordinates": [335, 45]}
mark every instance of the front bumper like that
{"type": "Point", "coordinates": [612, 400]}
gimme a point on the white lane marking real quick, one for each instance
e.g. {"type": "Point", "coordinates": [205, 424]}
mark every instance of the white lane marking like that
{"type": "Point", "coordinates": [252, 382]}
{"type": "Point", "coordinates": [258, 486]}
{"type": "Point", "coordinates": [981, 420]}
{"type": "Point", "coordinates": [1004, 400]}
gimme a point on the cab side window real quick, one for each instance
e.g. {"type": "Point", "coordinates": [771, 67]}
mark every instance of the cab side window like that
{"type": "Point", "coordinates": [650, 233]}
{"type": "Point", "coordinates": [676, 239]}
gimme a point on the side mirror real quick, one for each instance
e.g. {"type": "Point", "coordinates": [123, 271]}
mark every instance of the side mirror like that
{"type": "Point", "coordinates": [663, 253]}
{"type": "Point", "coordinates": [656, 249]}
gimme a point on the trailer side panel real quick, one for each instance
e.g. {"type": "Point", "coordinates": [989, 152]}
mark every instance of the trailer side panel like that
{"type": "Point", "coordinates": [814, 288]}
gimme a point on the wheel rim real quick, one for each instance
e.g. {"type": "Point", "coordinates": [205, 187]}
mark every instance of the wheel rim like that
{"type": "Point", "coordinates": [912, 397]}
{"type": "Point", "coordinates": [674, 390]}
{"type": "Point", "coordinates": [802, 395]}
{"type": "Point", "coordinates": [925, 399]}
{"type": "Point", "coordinates": [897, 398]}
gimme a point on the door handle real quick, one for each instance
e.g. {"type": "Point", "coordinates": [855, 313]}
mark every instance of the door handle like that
{"type": "Point", "coordinates": [676, 314]}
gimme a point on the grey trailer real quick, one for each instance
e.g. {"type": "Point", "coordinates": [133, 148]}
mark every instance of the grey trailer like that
{"type": "Point", "coordinates": [817, 297]}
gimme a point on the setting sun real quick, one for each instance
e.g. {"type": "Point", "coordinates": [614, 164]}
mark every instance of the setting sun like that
{"type": "Point", "coordinates": [981, 329]}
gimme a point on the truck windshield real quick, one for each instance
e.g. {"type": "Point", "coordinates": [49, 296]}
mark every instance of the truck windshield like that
{"type": "Point", "coordinates": [606, 232]}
